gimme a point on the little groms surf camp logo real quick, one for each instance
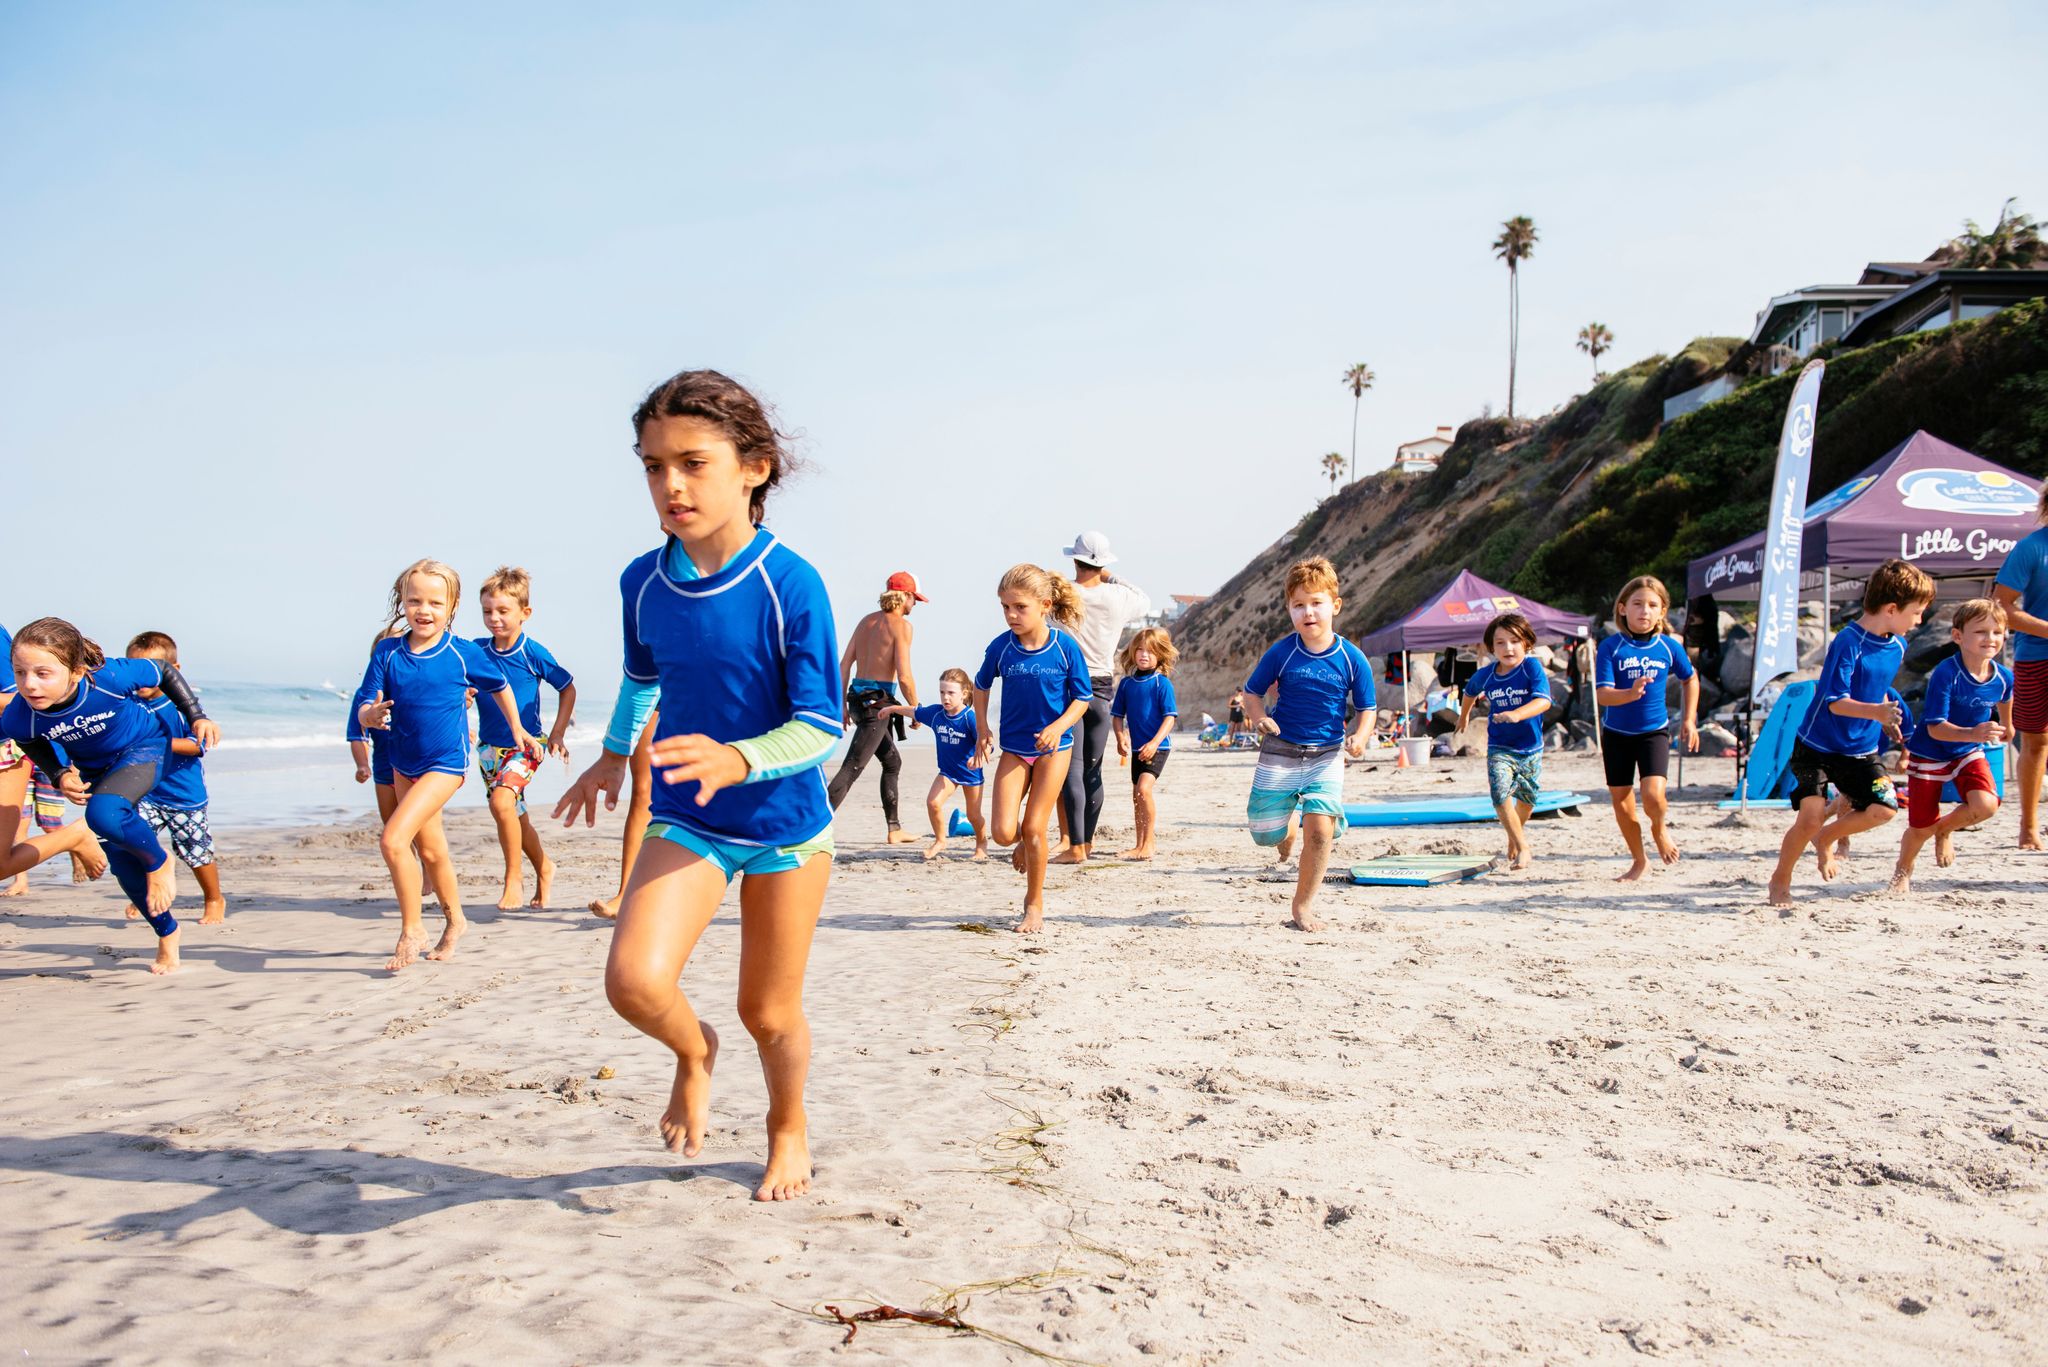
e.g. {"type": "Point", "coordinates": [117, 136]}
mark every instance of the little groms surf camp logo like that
{"type": "Point", "coordinates": [1480, 609]}
{"type": "Point", "coordinates": [1987, 493]}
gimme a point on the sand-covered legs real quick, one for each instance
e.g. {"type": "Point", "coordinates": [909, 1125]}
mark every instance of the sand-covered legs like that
{"type": "Point", "coordinates": [1318, 833]}
{"type": "Point", "coordinates": [417, 818]}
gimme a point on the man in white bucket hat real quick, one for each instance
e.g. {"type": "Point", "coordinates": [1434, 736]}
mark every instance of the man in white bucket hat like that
{"type": "Point", "coordinates": [1112, 607]}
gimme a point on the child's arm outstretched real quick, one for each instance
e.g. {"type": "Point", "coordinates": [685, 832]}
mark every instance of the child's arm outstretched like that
{"type": "Point", "coordinates": [1465, 710]}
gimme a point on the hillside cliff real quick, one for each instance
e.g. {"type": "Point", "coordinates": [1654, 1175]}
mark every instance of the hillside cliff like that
{"type": "Point", "coordinates": [1566, 508]}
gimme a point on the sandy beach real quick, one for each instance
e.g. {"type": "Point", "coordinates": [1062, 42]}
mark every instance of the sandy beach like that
{"type": "Point", "coordinates": [1535, 1117]}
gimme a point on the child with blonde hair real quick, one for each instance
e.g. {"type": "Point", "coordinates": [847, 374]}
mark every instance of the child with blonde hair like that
{"type": "Point", "coordinates": [1298, 786]}
{"type": "Point", "coordinates": [954, 724]}
{"type": "Point", "coordinates": [1144, 712]}
{"type": "Point", "coordinates": [1045, 690]}
{"type": "Point", "coordinates": [507, 602]}
{"type": "Point", "coordinates": [1968, 705]}
{"type": "Point", "coordinates": [1629, 673]}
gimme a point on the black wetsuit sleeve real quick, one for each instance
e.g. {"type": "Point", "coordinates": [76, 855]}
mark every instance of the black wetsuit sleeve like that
{"type": "Point", "coordinates": [181, 695]}
{"type": "Point", "coordinates": [44, 754]}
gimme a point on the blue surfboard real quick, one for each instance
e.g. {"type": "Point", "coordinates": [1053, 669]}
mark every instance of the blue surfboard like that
{"type": "Point", "coordinates": [1443, 811]}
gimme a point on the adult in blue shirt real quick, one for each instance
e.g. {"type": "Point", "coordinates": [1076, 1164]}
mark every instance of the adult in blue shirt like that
{"type": "Point", "coordinates": [2022, 590]}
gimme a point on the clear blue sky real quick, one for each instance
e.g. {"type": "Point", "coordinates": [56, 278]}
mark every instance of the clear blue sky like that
{"type": "Point", "coordinates": [291, 295]}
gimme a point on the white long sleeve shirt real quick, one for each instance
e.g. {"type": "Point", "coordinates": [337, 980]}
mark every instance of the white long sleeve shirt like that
{"type": "Point", "coordinates": [1112, 605]}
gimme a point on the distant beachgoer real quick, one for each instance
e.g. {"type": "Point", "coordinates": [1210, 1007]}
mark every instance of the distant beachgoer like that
{"type": "Point", "coordinates": [733, 631]}
{"type": "Point", "coordinates": [1629, 673]}
{"type": "Point", "coordinates": [507, 603]}
{"type": "Point", "coordinates": [1145, 712]}
{"type": "Point", "coordinates": [2022, 590]}
{"type": "Point", "coordinates": [418, 686]}
{"type": "Point", "coordinates": [176, 807]}
{"type": "Point", "coordinates": [1517, 694]}
{"type": "Point", "coordinates": [1298, 785]}
{"type": "Point", "coordinates": [1838, 739]}
{"type": "Point", "coordinates": [1045, 692]}
{"type": "Point", "coordinates": [1236, 717]}
{"type": "Point", "coordinates": [1109, 606]}
{"type": "Point", "coordinates": [69, 695]}
{"type": "Point", "coordinates": [954, 726]}
{"type": "Point", "coordinates": [1967, 707]}
{"type": "Point", "coordinates": [876, 659]}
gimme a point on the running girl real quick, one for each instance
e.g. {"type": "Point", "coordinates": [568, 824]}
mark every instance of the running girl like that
{"type": "Point", "coordinates": [1629, 670]}
{"type": "Point", "coordinates": [734, 631]}
{"type": "Point", "coordinates": [1045, 690]}
{"type": "Point", "coordinates": [1144, 712]}
{"type": "Point", "coordinates": [953, 724]}
{"type": "Point", "coordinates": [418, 689]}
{"type": "Point", "coordinates": [506, 599]}
{"type": "Point", "coordinates": [71, 696]}
{"type": "Point", "coordinates": [16, 774]}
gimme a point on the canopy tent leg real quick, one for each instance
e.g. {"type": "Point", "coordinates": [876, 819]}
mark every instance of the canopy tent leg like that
{"type": "Point", "coordinates": [1405, 714]}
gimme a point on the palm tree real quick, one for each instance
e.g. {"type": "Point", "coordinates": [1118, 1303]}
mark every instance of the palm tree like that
{"type": "Point", "coordinates": [1596, 340]}
{"type": "Point", "coordinates": [2014, 242]}
{"type": "Point", "coordinates": [1516, 243]}
{"type": "Point", "coordinates": [1333, 466]}
{"type": "Point", "coordinates": [1358, 379]}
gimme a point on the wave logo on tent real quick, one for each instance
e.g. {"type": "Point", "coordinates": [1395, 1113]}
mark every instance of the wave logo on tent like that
{"type": "Point", "coordinates": [1987, 493]}
{"type": "Point", "coordinates": [1840, 496]}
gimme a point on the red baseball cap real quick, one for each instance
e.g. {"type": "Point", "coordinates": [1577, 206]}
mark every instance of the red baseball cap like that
{"type": "Point", "coordinates": [903, 581]}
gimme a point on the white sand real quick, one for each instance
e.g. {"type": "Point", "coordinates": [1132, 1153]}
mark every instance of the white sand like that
{"type": "Point", "coordinates": [1534, 1117]}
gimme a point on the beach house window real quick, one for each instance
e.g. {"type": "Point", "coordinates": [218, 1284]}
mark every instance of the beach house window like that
{"type": "Point", "coordinates": [1832, 322]}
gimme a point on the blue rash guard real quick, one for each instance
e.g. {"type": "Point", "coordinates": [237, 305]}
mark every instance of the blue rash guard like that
{"type": "Point", "coordinates": [2022, 573]}
{"type": "Point", "coordinates": [429, 692]}
{"type": "Point", "coordinates": [527, 665]}
{"type": "Point", "coordinates": [737, 654]}
{"type": "Point", "coordinates": [1145, 701]}
{"type": "Point", "coordinates": [1038, 685]}
{"type": "Point", "coordinates": [1504, 693]}
{"type": "Point", "coordinates": [1953, 696]}
{"type": "Point", "coordinates": [959, 736]}
{"type": "Point", "coordinates": [1622, 659]}
{"type": "Point", "coordinates": [181, 783]}
{"type": "Point", "coordinates": [1860, 666]}
{"type": "Point", "coordinates": [1314, 688]}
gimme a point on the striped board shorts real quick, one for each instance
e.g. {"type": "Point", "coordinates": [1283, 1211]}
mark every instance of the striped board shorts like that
{"type": "Point", "coordinates": [48, 802]}
{"type": "Point", "coordinates": [1291, 778]}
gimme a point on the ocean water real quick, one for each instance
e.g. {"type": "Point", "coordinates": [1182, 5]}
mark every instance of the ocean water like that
{"type": "Point", "coordinates": [282, 761]}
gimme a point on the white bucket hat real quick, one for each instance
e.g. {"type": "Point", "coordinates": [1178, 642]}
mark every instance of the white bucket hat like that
{"type": "Point", "coordinates": [1091, 548]}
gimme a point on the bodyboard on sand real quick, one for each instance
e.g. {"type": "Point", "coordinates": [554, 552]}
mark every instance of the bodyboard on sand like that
{"type": "Point", "coordinates": [1443, 811]}
{"type": "Point", "coordinates": [957, 824]}
{"type": "Point", "coordinates": [1767, 776]}
{"type": "Point", "coordinates": [1420, 870]}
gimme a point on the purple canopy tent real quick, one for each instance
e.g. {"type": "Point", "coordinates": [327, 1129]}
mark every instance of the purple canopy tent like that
{"type": "Point", "coordinates": [1952, 513]}
{"type": "Point", "coordinates": [1458, 615]}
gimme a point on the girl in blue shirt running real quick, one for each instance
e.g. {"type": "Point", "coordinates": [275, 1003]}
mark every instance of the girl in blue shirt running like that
{"type": "Point", "coordinates": [733, 631]}
{"type": "Point", "coordinates": [1045, 690]}
{"type": "Point", "coordinates": [418, 687]}
{"type": "Point", "coordinates": [1144, 713]}
{"type": "Point", "coordinates": [1630, 670]}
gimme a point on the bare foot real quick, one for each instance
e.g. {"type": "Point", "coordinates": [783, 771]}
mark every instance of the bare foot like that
{"type": "Point", "coordinates": [408, 950]}
{"type": "Point", "coordinates": [1305, 920]}
{"type": "Point", "coordinates": [932, 850]}
{"type": "Point", "coordinates": [1142, 852]}
{"type": "Point", "coordinates": [1285, 849]}
{"type": "Point", "coordinates": [1017, 857]}
{"type": "Point", "coordinates": [980, 850]}
{"type": "Point", "coordinates": [166, 960]}
{"type": "Point", "coordinates": [1780, 892]}
{"type": "Point", "coordinates": [1033, 922]}
{"type": "Point", "coordinates": [16, 886]}
{"type": "Point", "coordinates": [1944, 849]}
{"type": "Point", "coordinates": [1073, 854]}
{"type": "Point", "coordinates": [605, 908]}
{"type": "Point", "coordinates": [1667, 848]}
{"type": "Point", "coordinates": [1829, 861]}
{"type": "Point", "coordinates": [133, 914]}
{"type": "Point", "coordinates": [513, 896]}
{"type": "Point", "coordinates": [1902, 881]}
{"type": "Point", "coordinates": [1635, 871]}
{"type": "Point", "coordinates": [1520, 861]}
{"type": "Point", "coordinates": [2031, 840]}
{"type": "Point", "coordinates": [457, 923]}
{"type": "Point", "coordinates": [88, 860]}
{"type": "Point", "coordinates": [688, 1117]}
{"type": "Point", "coordinates": [543, 883]}
{"type": "Point", "coordinates": [788, 1174]}
{"type": "Point", "coordinates": [163, 888]}
{"type": "Point", "coordinates": [214, 912]}
{"type": "Point", "coordinates": [902, 838]}
{"type": "Point", "coordinates": [1842, 845]}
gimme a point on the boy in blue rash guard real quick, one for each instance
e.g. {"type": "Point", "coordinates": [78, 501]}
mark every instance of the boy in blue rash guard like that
{"type": "Point", "coordinates": [72, 698]}
{"type": "Point", "coordinates": [1298, 786]}
{"type": "Point", "coordinates": [24, 789]}
{"type": "Point", "coordinates": [419, 687]}
{"type": "Point", "coordinates": [1839, 739]}
{"type": "Point", "coordinates": [1144, 712]}
{"type": "Point", "coordinates": [1629, 673]}
{"type": "Point", "coordinates": [736, 629]}
{"type": "Point", "coordinates": [176, 808]}
{"type": "Point", "coordinates": [1046, 689]}
{"type": "Point", "coordinates": [1517, 694]}
{"type": "Point", "coordinates": [954, 726]}
{"type": "Point", "coordinates": [1968, 706]}
{"type": "Point", "coordinates": [506, 600]}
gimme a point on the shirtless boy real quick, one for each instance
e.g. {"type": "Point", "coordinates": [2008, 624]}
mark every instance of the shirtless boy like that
{"type": "Point", "coordinates": [877, 656]}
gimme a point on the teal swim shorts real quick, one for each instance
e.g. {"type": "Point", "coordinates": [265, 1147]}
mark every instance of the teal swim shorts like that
{"type": "Point", "coordinates": [734, 859]}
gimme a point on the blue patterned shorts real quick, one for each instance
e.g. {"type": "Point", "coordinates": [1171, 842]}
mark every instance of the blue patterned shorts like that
{"type": "Point", "coordinates": [1513, 778]}
{"type": "Point", "coordinates": [185, 828]}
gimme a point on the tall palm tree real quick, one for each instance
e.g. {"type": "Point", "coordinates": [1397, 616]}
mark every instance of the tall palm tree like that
{"type": "Point", "coordinates": [1516, 244]}
{"type": "Point", "coordinates": [1333, 466]}
{"type": "Point", "coordinates": [2014, 242]}
{"type": "Point", "coordinates": [1596, 341]}
{"type": "Point", "coordinates": [1358, 379]}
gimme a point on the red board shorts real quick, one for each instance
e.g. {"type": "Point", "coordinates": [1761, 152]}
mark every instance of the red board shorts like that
{"type": "Point", "coordinates": [1926, 777]}
{"type": "Point", "coordinates": [2030, 696]}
